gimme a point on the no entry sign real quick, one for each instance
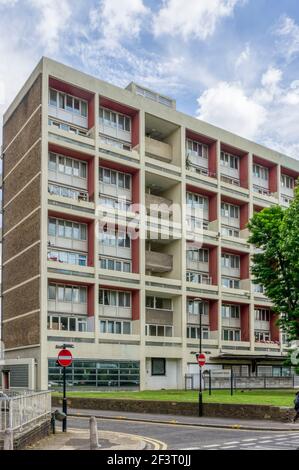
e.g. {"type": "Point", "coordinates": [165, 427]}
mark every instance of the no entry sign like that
{"type": "Point", "coordinates": [65, 358]}
{"type": "Point", "coordinates": [201, 359]}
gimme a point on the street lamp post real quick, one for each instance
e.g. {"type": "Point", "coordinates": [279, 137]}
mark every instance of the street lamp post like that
{"type": "Point", "coordinates": [200, 410]}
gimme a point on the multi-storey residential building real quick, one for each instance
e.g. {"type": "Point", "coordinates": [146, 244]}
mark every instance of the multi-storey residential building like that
{"type": "Point", "coordinates": [84, 264]}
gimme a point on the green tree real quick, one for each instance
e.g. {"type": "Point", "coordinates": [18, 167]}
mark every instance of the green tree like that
{"type": "Point", "coordinates": [275, 234]}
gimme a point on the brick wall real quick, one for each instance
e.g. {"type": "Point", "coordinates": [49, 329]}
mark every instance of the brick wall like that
{"type": "Point", "coordinates": [22, 164]}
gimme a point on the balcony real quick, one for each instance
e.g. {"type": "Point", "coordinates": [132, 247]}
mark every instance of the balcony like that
{"type": "Point", "coordinates": [158, 262]}
{"type": "Point", "coordinates": [158, 204]}
{"type": "Point", "coordinates": [157, 149]}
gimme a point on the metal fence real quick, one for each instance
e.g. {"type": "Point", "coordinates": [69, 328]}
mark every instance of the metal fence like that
{"type": "Point", "coordinates": [218, 383]}
{"type": "Point", "coordinates": [20, 410]}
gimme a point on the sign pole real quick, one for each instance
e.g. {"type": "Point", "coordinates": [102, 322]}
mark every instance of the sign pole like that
{"type": "Point", "coordinates": [200, 369]}
{"type": "Point", "coordinates": [64, 402]}
{"type": "Point", "coordinates": [65, 359]}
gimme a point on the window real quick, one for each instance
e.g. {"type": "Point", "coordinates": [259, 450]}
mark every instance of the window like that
{"type": "Point", "coordinates": [231, 335]}
{"type": "Point", "coordinates": [66, 229]}
{"type": "Point", "coordinates": [115, 298]}
{"type": "Point", "coordinates": [262, 314]}
{"type": "Point", "coordinates": [158, 367]}
{"type": "Point", "coordinates": [197, 201]}
{"type": "Point", "coordinates": [158, 303]}
{"type": "Point", "coordinates": [121, 180]}
{"type": "Point", "coordinates": [68, 102]}
{"type": "Point", "coordinates": [261, 336]}
{"type": "Point", "coordinates": [230, 311]}
{"type": "Point", "coordinates": [198, 255]}
{"type": "Point", "coordinates": [229, 161]}
{"type": "Point", "coordinates": [230, 261]}
{"type": "Point", "coordinates": [198, 278]}
{"type": "Point", "coordinates": [260, 172]}
{"type": "Point", "coordinates": [67, 323]}
{"type": "Point", "coordinates": [197, 149]}
{"type": "Point", "coordinates": [230, 232]}
{"type": "Point", "coordinates": [115, 120]}
{"type": "Point", "coordinates": [229, 210]}
{"type": "Point", "coordinates": [159, 330]}
{"type": "Point", "coordinates": [193, 332]}
{"type": "Point", "coordinates": [117, 327]}
{"type": "Point", "coordinates": [287, 182]}
{"type": "Point", "coordinates": [67, 257]}
{"type": "Point", "coordinates": [66, 165]}
{"type": "Point", "coordinates": [62, 293]}
{"type": "Point", "coordinates": [195, 307]}
{"type": "Point", "coordinates": [52, 292]}
{"type": "Point", "coordinates": [230, 283]}
{"type": "Point", "coordinates": [53, 98]}
{"type": "Point", "coordinates": [115, 265]}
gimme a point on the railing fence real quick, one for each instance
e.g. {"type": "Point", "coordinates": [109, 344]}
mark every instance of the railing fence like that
{"type": "Point", "coordinates": [218, 383]}
{"type": "Point", "coordinates": [20, 410]}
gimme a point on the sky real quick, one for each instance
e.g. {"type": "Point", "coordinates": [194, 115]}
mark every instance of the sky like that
{"type": "Point", "coordinates": [232, 63]}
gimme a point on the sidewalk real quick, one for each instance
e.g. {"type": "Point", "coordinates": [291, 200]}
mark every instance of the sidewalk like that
{"type": "Point", "coordinates": [189, 420]}
{"type": "Point", "coordinates": [78, 439]}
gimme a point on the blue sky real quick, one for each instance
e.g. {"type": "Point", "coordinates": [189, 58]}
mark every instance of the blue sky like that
{"type": "Point", "coordinates": [233, 63]}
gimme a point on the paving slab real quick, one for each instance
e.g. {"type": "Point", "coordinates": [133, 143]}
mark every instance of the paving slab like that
{"type": "Point", "coordinates": [78, 439]}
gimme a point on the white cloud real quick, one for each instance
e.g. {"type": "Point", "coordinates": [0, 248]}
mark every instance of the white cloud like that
{"type": "Point", "coordinates": [226, 105]}
{"type": "Point", "coordinates": [268, 114]}
{"type": "Point", "coordinates": [2, 92]}
{"type": "Point", "coordinates": [192, 18]}
{"type": "Point", "coordinates": [118, 19]}
{"type": "Point", "coordinates": [8, 3]}
{"type": "Point", "coordinates": [54, 17]}
{"type": "Point", "coordinates": [243, 57]}
{"type": "Point", "coordinates": [288, 32]}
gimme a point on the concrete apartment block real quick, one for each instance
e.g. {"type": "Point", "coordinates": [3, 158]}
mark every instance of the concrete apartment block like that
{"type": "Point", "coordinates": [128, 292]}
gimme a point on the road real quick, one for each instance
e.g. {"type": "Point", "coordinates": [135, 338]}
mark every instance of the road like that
{"type": "Point", "coordinates": [178, 437]}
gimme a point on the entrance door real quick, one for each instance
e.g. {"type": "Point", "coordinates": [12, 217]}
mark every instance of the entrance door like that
{"type": "Point", "coordinates": [5, 379]}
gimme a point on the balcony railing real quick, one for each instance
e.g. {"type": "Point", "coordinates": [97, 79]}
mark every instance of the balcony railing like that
{"type": "Point", "coordinates": [230, 180]}
{"type": "Point", "coordinates": [157, 149]}
{"type": "Point", "coordinates": [158, 262]}
{"type": "Point", "coordinates": [64, 191]}
{"type": "Point", "coordinates": [72, 129]}
{"type": "Point", "coordinates": [262, 191]}
{"type": "Point", "coordinates": [198, 278]}
{"type": "Point", "coordinates": [158, 203]}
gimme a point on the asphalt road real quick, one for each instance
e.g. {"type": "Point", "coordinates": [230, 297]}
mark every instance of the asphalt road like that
{"type": "Point", "coordinates": [178, 437]}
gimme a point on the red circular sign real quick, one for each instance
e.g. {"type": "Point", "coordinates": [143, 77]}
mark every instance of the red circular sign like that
{"type": "Point", "coordinates": [201, 359]}
{"type": "Point", "coordinates": [65, 358]}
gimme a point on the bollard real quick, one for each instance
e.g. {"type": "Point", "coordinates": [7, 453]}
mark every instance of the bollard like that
{"type": "Point", "coordinates": [94, 442]}
{"type": "Point", "coordinates": [8, 440]}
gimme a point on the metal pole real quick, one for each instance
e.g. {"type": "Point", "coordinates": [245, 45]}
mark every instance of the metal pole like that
{"type": "Point", "coordinates": [200, 411]}
{"type": "Point", "coordinates": [231, 382]}
{"type": "Point", "coordinates": [210, 383]}
{"type": "Point", "coordinates": [64, 402]}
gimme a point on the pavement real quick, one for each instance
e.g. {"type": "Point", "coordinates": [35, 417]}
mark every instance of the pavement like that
{"type": "Point", "coordinates": [205, 422]}
{"type": "Point", "coordinates": [79, 439]}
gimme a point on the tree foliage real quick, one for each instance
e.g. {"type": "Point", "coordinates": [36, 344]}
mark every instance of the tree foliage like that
{"type": "Point", "coordinates": [275, 235]}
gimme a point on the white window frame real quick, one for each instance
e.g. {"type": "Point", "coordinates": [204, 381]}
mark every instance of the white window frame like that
{"type": "Point", "coordinates": [63, 97]}
{"type": "Point", "coordinates": [230, 261]}
{"type": "Point", "coordinates": [114, 322]}
{"type": "Point", "coordinates": [83, 229]}
{"type": "Point", "coordinates": [105, 260]}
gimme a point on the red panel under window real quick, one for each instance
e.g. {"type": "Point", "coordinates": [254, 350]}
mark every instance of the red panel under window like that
{"type": "Point", "coordinates": [213, 264]}
{"type": "Point", "coordinates": [213, 315]}
{"type": "Point", "coordinates": [245, 322]}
